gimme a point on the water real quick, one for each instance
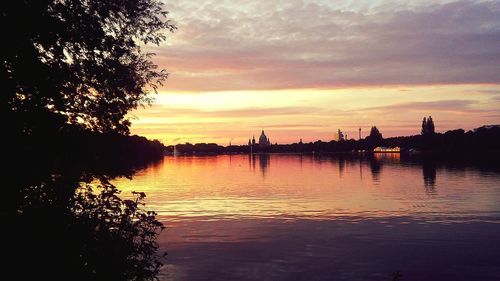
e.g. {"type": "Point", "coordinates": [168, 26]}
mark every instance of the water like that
{"type": "Point", "coordinates": [296, 217]}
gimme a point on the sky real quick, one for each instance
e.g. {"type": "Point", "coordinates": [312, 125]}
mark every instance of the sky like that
{"type": "Point", "coordinates": [301, 69]}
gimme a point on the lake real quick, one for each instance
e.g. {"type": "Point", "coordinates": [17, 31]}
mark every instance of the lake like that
{"type": "Point", "coordinates": [307, 217]}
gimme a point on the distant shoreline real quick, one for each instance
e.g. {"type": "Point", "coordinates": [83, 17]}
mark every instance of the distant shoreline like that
{"type": "Point", "coordinates": [346, 153]}
{"type": "Point", "coordinates": [480, 140]}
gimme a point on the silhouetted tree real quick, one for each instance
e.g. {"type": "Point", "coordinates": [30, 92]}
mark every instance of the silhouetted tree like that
{"type": "Point", "coordinates": [428, 126]}
{"type": "Point", "coordinates": [90, 234]}
{"type": "Point", "coordinates": [69, 73]}
{"type": "Point", "coordinates": [424, 126]}
{"type": "Point", "coordinates": [375, 138]}
{"type": "Point", "coordinates": [78, 62]}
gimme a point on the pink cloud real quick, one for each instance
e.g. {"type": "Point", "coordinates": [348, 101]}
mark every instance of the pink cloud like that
{"type": "Point", "coordinates": [294, 44]}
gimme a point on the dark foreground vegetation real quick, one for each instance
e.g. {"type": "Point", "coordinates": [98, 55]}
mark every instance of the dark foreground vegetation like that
{"type": "Point", "coordinates": [87, 150]}
{"type": "Point", "coordinates": [485, 139]}
{"type": "Point", "coordinates": [63, 217]}
{"type": "Point", "coordinates": [69, 74]}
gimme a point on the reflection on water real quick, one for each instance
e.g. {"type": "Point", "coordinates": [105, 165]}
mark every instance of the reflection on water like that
{"type": "Point", "coordinates": [429, 172]}
{"type": "Point", "coordinates": [313, 187]}
{"type": "Point", "coordinates": [264, 163]}
{"type": "Point", "coordinates": [299, 217]}
{"type": "Point", "coordinates": [375, 167]}
{"type": "Point", "coordinates": [263, 159]}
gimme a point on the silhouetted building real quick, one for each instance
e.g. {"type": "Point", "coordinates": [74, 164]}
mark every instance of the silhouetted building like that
{"type": "Point", "coordinates": [339, 136]}
{"type": "Point", "coordinates": [264, 140]}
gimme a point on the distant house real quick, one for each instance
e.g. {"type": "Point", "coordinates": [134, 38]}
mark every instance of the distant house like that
{"type": "Point", "coordinates": [383, 149]}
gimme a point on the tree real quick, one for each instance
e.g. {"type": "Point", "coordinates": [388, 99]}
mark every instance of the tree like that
{"type": "Point", "coordinates": [78, 61]}
{"type": "Point", "coordinates": [90, 234]}
{"type": "Point", "coordinates": [68, 70]}
{"type": "Point", "coordinates": [424, 126]}
{"type": "Point", "coordinates": [375, 133]}
{"type": "Point", "coordinates": [375, 138]}
{"type": "Point", "coordinates": [428, 126]}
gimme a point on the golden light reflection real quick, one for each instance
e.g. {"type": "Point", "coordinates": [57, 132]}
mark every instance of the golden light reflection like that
{"type": "Point", "coordinates": [290, 187]}
{"type": "Point", "coordinates": [393, 157]}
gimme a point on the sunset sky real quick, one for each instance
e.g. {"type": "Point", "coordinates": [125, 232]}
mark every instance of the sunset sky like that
{"type": "Point", "coordinates": [305, 68]}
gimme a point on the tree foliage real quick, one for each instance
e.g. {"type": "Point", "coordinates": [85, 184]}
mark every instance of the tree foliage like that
{"type": "Point", "coordinates": [81, 231]}
{"type": "Point", "coordinates": [375, 137]}
{"type": "Point", "coordinates": [428, 126]}
{"type": "Point", "coordinates": [79, 61]}
{"type": "Point", "coordinates": [70, 71]}
{"type": "Point", "coordinates": [125, 231]}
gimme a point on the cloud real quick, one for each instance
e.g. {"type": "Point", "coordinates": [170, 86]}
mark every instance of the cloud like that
{"type": "Point", "coordinates": [162, 111]}
{"type": "Point", "coordinates": [442, 105]}
{"type": "Point", "coordinates": [228, 45]}
{"type": "Point", "coordinates": [293, 126]}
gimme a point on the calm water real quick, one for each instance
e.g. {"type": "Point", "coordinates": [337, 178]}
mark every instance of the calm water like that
{"type": "Point", "coordinates": [293, 217]}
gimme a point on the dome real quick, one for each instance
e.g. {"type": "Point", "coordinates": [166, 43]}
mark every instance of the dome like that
{"type": "Point", "coordinates": [262, 137]}
{"type": "Point", "coordinates": [263, 140]}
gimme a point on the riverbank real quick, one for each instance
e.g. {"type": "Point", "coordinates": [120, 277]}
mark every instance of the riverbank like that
{"type": "Point", "coordinates": [483, 139]}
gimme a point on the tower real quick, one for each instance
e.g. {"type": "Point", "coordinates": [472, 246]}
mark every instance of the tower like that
{"type": "Point", "coordinates": [359, 133]}
{"type": "Point", "coordinates": [339, 136]}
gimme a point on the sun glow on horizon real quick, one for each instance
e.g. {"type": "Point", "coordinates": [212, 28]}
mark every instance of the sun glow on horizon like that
{"type": "Point", "coordinates": [307, 68]}
{"type": "Point", "coordinates": [312, 114]}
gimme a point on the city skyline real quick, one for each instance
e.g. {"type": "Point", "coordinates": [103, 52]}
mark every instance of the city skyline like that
{"type": "Point", "coordinates": [303, 69]}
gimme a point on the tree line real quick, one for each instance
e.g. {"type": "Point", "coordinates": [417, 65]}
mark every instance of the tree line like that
{"type": "Point", "coordinates": [482, 139]}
